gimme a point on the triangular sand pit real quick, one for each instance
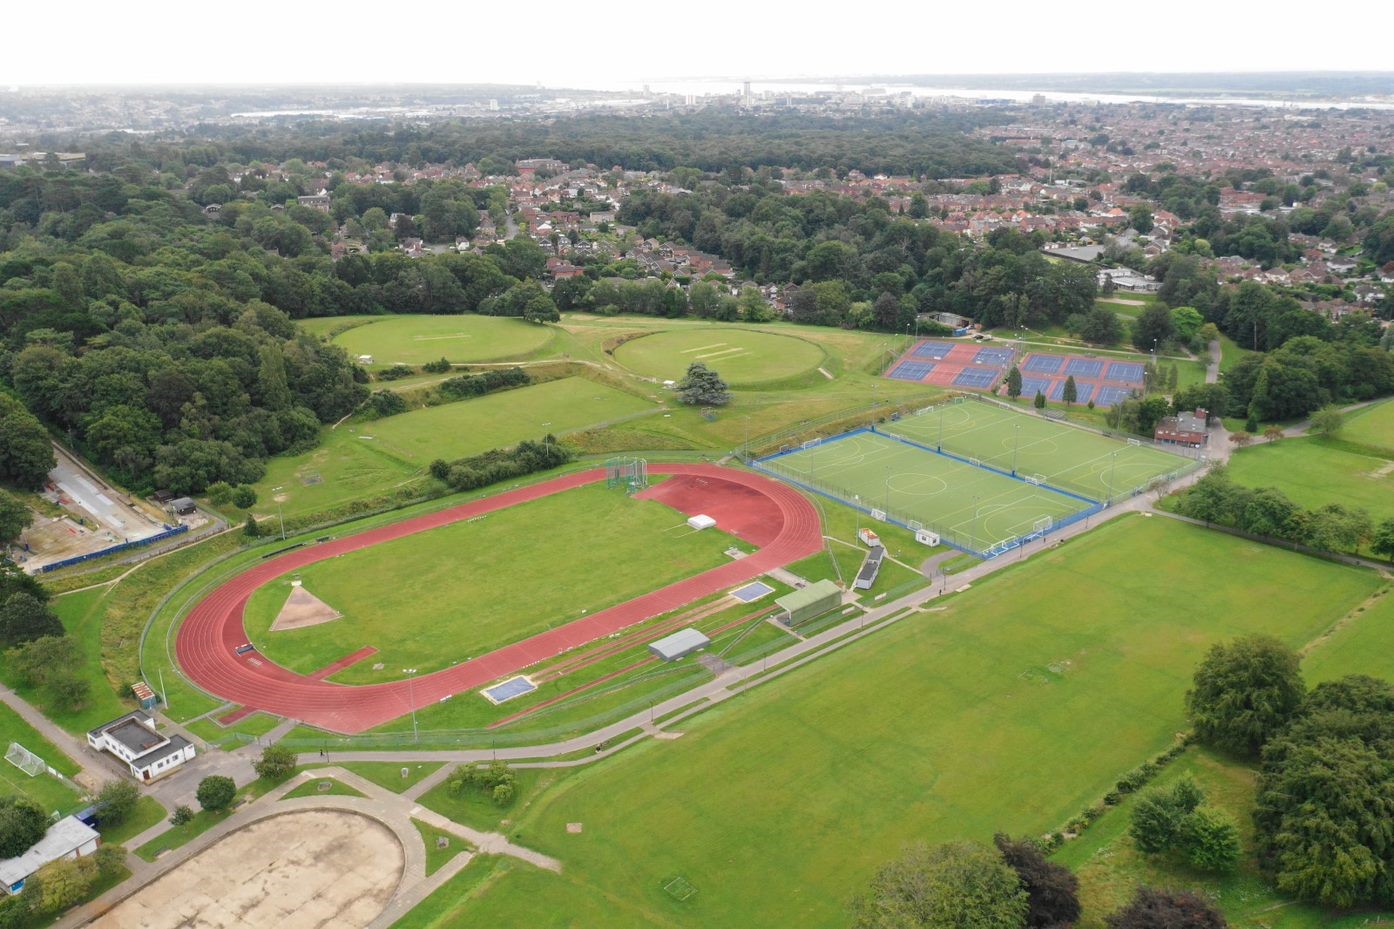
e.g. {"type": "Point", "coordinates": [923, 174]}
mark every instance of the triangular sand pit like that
{"type": "Point", "coordinates": [302, 609]}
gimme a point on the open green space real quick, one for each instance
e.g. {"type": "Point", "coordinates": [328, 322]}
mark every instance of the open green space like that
{"type": "Point", "coordinates": [971, 507]}
{"type": "Point", "coordinates": [361, 460]}
{"type": "Point", "coordinates": [1064, 456]}
{"type": "Point", "coordinates": [743, 357]}
{"type": "Point", "coordinates": [1314, 471]}
{"type": "Point", "coordinates": [322, 787]}
{"type": "Point", "coordinates": [437, 854]}
{"type": "Point", "coordinates": [82, 615]}
{"type": "Point", "coordinates": [147, 813]}
{"type": "Point", "coordinates": [1017, 706]}
{"type": "Point", "coordinates": [481, 584]}
{"type": "Point", "coordinates": [44, 789]}
{"type": "Point", "coordinates": [416, 339]}
{"type": "Point", "coordinates": [1372, 426]}
{"type": "Point", "coordinates": [388, 774]}
{"type": "Point", "coordinates": [1110, 867]}
{"type": "Point", "coordinates": [1362, 644]}
{"type": "Point", "coordinates": [203, 820]}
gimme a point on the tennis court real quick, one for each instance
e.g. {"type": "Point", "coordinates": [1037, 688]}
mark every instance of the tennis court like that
{"type": "Point", "coordinates": [952, 364]}
{"type": "Point", "coordinates": [971, 507]}
{"type": "Point", "coordinates": [1063, 456]}
{"type": "Point", "coordinates": [1105, 382]}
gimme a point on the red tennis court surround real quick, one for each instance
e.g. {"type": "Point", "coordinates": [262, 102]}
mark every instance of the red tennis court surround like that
{"type": "Point", "coordinates": [965, 365]}
{"type": "Point", "coordinates": [761, 511]}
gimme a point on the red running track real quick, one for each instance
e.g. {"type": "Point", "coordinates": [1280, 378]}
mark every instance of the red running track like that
{"type": "Point", "coordinates": [762, 511]}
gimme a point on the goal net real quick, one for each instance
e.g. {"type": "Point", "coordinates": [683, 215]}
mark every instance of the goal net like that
{"type": "Point", "coordinates": [1042, 525]}
{"type": "Point", "coordinates": [22, 758]}
{"type": "Point", "coordinates": [1136, 443]}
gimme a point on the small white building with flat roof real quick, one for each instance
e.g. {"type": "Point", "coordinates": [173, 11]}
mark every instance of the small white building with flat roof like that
{"type": "Point", "coordinates": [134, 739]}
{"type": "Point", "coordinates": [67, 838]}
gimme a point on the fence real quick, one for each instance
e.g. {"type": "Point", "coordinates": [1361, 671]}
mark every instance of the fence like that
{"type": "Point", "coordinates": [980, 548]}
{"type": "Point", "coordinates": [111, 550]}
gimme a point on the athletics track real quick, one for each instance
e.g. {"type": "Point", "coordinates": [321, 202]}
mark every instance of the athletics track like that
{"type": "Point", "coordinates": [761, 511]}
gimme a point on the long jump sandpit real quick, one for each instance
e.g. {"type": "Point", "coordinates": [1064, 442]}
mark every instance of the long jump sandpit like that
{"type": "Point", "coordinates": [299, 870]}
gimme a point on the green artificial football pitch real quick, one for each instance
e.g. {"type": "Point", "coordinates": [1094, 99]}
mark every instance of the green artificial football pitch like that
{"type": "Point", "coordinates": [1059, 454]}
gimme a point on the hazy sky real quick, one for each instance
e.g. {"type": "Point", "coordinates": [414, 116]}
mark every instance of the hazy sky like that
{"type": "Point", "coordinates": [581, 44]}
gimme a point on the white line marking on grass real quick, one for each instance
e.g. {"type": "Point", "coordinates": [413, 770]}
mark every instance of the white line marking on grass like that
{"type": "Point", "coordinates": [725, 353]}
{"type": "Point", "coordinates": [701, 348]}
{"type": "Point", "coordinates": [437, 338]}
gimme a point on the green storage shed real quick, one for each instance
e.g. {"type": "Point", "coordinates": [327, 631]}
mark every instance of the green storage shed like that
{"type": "Point", "coordinates": [809, 602]}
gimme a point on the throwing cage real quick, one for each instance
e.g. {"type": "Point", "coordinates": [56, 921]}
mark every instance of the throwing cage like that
{"type": "Point", "coordinates": [630, 473]}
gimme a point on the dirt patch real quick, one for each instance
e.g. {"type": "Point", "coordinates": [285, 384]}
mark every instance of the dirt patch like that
{"type": "Point", "coordinates": [296, 871]}
{"type": "Point", "coordinates": [302, 609]}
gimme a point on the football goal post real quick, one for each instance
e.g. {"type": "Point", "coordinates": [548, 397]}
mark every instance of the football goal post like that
{"type": "Point", "coordinates": [22, 758]}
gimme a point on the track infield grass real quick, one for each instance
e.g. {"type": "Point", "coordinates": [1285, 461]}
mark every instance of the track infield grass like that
{"type": "Point", "coordinates": [1313, 472]}
{"type": "Point", "coordinates": [362, 459]}
{"type": "Point", "coordinates": [742, 357]}
{"type": "Point", "coordinates": [416, 339]}
{"type": "Point", "coordinates": [1067, 457]}
{"type": "Point", "coordinates": [438, 597]}
{"type": "Point", "coordinates": [968, 506]}
{"type": "Point", "coordinates": [1011, 710]}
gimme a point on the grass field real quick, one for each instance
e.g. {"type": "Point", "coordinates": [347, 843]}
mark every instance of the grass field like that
{"type": "Point", "coordinates": [364, 459]}
{"type": "Point", "coordinates": [970, 507]}
{"type": "Point", "coordinates": [1110, 867]}
{"type": "Point", "coordinates": [1072, 459]}
{"type": "Point", "coordinates": [414, 340]}
{"type": "Point", "coordinates": [1362, 645]}
{"type": "Point", "coordinates": [1315, 471]}
{"type": "Point", "coordinates": [478, 585]}
{"type": "Point", "coordinates": [45, 790]}
{"type": "Point", "coordinates": [1013, 709]}
{"type": "Point", "coordinates": [1372, 426]}
{"type": "Point", "coordinates": [743, 357]}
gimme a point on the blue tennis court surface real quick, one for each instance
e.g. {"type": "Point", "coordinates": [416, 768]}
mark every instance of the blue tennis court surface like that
{"type": "Point", "coordinates": [1030, 386]}
{"type": "Point", "coordinates": [911, 370]}
{"type": "Point", "coordinates": [976, 378]}
{"type": "Point", "coordinates": [1082, 392]}
{"type": "Point", "coordinates": [993, 356]}
{"type": "Point", "coordinates": [1043, 364]}
{"type": "Point", "coordinates": [1127, 372]}
{"type": "Point", "coordinates": [1111, 396]}
{"type": "Point", "coordinates": [1083, 367]}
{"type": "Point", "coordinates": [932, 350]}
{"type": "Point", "coordinates": [513, 687]}
{"type": "Point", "coordinates": [752, 592]}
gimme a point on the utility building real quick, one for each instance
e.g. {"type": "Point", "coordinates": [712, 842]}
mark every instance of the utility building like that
{"type": "Point", "coordinates": [809, 603]}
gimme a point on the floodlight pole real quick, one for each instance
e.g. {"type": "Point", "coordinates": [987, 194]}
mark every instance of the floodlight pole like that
{"type": "Point", "coordinates": [975, 520]}
{"type": "Point", "coordinates": [164, 694]}
{"type": "Point", "coordinates": [1016, 449]}
{"type": "Point", "coordinates": [411, 697]}
{"type": "Point", "coordinates": [941, 426]}
{"type": "Point", "coordinates": [1112, 467]}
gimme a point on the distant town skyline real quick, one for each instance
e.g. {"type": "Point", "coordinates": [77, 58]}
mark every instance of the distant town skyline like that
{"type": "Point", "coordinates": [563, 45]}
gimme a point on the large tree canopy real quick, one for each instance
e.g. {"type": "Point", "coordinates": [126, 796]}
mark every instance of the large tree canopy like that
{"type": "Point", "coordinates": [1244, 692]}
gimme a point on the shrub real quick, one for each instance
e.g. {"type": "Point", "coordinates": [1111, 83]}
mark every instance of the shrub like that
{"type": "Point", "coordinates": [118, 801]}
{"type": "Point", "coordinates": [216, 792]}
{"type": "Point", "coordinates": [436, 367]}
{"type": "Point", "coordinates": [181, 815]}
{"type": "Point", "coordinates": [275, 764]}
{"type": "Point", "coordinates": [396, 373]}
{"type": "Point", "coordinates": [244, 497]}
{"type": "Point", "coordinates": [219, 493]}
{"type": "Point", "coordinates": [386, 403]}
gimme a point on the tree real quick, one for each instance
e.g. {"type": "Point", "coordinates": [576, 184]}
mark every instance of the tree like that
{"type": "Point", "coordinates": [702, 386]}
{"type": "Point", "coordinates": [1014, 382]}
{"type": "Point", "coordinates": [14, 517]}
{"type": "Point", "coordinates": [38, 661]}
{"type": "Point", "coordinates": [243, 497]}
{"type": "Point", "coordinates": [250, 528]}
{"type": "Point", "coordinates": [1244, 692]}
{"type": "Point", "coordinates": [1167, 909]}
{"type": "Point", "coordinates": [63, 883]}
{"type": "Point", "coordinates": [275, 764]}
{"type": "Point", "coordinates": [1159, 812]}
{"type": "Point", "coordinates": [24, 617]}
{"type": "Point", "coordinates": [1153, 328]}
{"type": "Point", "coordinates": [181, 815]}
{"type": "Point", "coordinates": [1382, 542]}
{"type": "Point", "coordinates": [1040, 401]}
{"type": "Point", "coordinates": [1052, 890]}
{"type": "Point", "coordinates": [215, 793]}
{"type": "Point", "coordinates": [1327, 422]}
{"type": "Point", "coordinates": [1241, 438]}
{"type": "Point", "coordinates": [960, 885]}
{"type": "Point", "coordinates": [22, 823]}
{"type": "Point", "coordinates": [1187, 322]}
{"type": "Point", "coordinates": [1325, 789]}
{"type": "Point", "coordinates": [26, 452]}
{"type": "Point", "coordinates": [1070, 392]}
{"type": "Point", "coordinates": [1273, 433]}
{"type": "Point", "coordinates": [1209, 839]}
{"type": "Point", "coordinates": [117, 800]}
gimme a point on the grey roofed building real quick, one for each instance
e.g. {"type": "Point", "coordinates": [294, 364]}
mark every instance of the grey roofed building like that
{"type": "Point", "coordinates": [1086, 254]}
{"type": "Point", "coordinates": [683, 642]}
{"type": "Point", "coordinates": [67, 838]}
{"type": "Point", "coordinates": [134, 739]}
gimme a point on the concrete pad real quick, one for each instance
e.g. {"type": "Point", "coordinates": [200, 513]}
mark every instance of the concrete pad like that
{"type": "Point", "coordinates": [302, 609]}
{"type": "Point", "coordinates": [297, 871]}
